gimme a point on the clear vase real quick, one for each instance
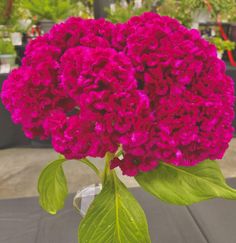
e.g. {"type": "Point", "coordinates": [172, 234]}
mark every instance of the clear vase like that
{"type": "Point", "coordinates": [85, 197]}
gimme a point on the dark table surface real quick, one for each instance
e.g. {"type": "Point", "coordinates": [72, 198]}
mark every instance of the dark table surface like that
{"type": "Point", "coordinates": [213, 221]}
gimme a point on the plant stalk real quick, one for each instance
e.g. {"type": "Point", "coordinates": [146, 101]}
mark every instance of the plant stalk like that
{"type": "Point", "coordinates": [92, 166]}
{"type": "Point", "coordinates": [108, 157]}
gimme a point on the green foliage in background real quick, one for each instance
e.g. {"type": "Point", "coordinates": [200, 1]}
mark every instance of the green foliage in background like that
{"type": "Point", "coordinates": [83, 9]}
{"type": "Point", "coordinates": [179, 10]}
{"type": "Point", "coordinates": [218, 6]}
{"type": "Point", "coordinates": [10, 19]}
{"type": "Point", "coordinates": [16, 13]}
{"type": "Point", "coordinates": [2, 10]}
{"type": "Point", "coordinates": [222, 45]}
{"type": "Point", "coordinates": [57, 10]}
{"type": "Point", "coordinates": [183, 9]}
{"type": "Point", "coordinates": [122, 13]}
{"type": "Point", "coordinates": [6, 47]}
{"type": "Point", "coordinates": [54, 10]}
{"type": "Point", "coordinates": [230, 15]}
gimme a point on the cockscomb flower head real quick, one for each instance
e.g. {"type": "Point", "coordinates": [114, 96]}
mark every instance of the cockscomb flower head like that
{"type": "Point", "coordinates": [150, 85]}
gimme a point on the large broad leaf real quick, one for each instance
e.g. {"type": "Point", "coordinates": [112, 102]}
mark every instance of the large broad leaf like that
{"type": "Point", "coordinates": [186, 185]}
{"type": "Point", "coordinates": [52, 187]}
{"type": "Point", "coordinates": [114, 217]}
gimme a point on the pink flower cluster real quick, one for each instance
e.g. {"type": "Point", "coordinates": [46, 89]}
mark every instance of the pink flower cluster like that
{"type": "Point", "coordinates": [150, 85]}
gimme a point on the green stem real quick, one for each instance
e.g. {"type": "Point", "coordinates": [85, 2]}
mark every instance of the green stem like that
{"type": "Point", "coordinates": [108, 157]}
{"type": "Point", "coordinates": [92, 166]}
{"type": "Point", "coordinates": [119, 151]}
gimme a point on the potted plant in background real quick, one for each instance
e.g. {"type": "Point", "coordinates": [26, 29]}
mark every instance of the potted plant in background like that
{"type": "Point", "coordinates": [222, 45]}
{"type": "Point", "coordinates": [180, 10]}
{"type": "Point", "coordinates": [193, 12]}
{"type": "Point", "coordinates": [121, 11]}
{"type": "Point", "coordinates": [21, 20]}
{"type": "Point", "coordinates": [215, 9]}
{"type": "Point", "coordinates": [14, 17]}
{"type": "Point", "coordinates": [48, 12]}
{"type": "Point", "coordinates": [14, 21]}
{"type": "Point", "coordinates": [7, 55]}
{"type": "Point", "coordinates": [83, 8]}
{"type": "Point", "coordinates": [231, 17]}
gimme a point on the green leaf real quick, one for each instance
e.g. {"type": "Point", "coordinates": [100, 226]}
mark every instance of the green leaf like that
{"type": "Point", "coordinates": [114, 216]}
{"type": "Point", "coordinates": [186, 185]}
{"type": "Point", "coordinates": [52, 187]}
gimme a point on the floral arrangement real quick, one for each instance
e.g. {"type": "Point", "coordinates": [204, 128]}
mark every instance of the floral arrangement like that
{"type": "Point", "coordinates": [149, 95]}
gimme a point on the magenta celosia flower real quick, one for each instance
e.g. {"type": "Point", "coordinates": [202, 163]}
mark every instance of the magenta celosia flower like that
{"type": "Point", "coordinates": [85, 70]}
{"type": "Point", "coordinates": [150, 85]}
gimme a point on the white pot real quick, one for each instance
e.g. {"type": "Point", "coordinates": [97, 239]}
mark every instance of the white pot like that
{"type": "Point", "coordinates": [46, 25]}
{"type": "Point", "coordinates": [220, 54]}
{"type": "Point", "coordinates": [16, 39]}
{"type": "Point", "coordinates": [200, 16]}
{"type": "Point", "coordinates": [7, 62]}
{"type": "Point", "coordinates": [24, 24]}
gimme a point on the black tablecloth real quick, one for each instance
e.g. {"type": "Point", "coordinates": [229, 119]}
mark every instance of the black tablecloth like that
{"type": "Point", "coordinates": [213, 221]}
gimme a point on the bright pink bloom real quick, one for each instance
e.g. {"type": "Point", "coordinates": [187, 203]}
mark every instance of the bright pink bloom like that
{"type": "Point", "coordinates": [149, 84]}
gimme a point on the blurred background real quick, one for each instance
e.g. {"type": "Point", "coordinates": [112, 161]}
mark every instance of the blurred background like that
{"type": "Point", "coordinates": [23, 20]}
